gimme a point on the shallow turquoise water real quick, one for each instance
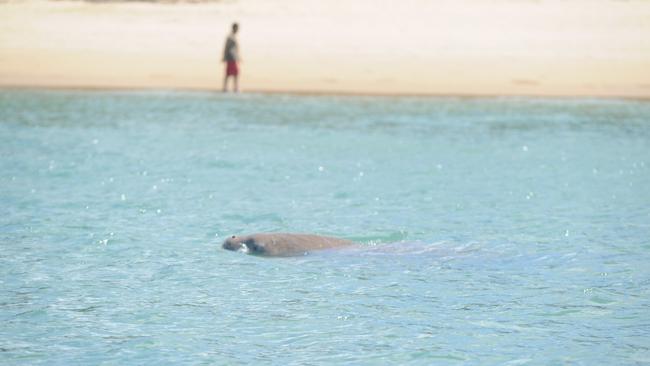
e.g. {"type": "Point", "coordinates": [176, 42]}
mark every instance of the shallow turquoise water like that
{"type": "Point", "coordinates": [493, 231]}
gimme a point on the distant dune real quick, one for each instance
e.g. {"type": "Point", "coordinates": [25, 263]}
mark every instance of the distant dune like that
{"type": "Point", "coordinates": [495, 47]}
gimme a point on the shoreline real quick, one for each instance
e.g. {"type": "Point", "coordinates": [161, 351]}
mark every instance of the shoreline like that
{"type": "Point", "coordinates": [314, 93]}
{"type": "Point", "coordinates": [309, 47]}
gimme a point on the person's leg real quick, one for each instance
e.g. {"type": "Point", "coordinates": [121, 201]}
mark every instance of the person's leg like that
{"type": "Point", "coordinates": [236, 85]}
{"type": "Point", "coordinates": [225, 83]}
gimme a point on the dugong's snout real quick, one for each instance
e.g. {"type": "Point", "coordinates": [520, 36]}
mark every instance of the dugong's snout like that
{"type": "Point", "coordinates": [236, 243]}
{"type": "Point", "coordinates": [231, 244]}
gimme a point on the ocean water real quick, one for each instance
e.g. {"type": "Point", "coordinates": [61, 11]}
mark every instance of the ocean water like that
{"type": "Point", "coordinates": [492, 230]}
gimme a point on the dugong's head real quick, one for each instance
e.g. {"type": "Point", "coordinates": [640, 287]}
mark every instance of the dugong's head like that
{"type": "Point", "coordinates": [237, 243]}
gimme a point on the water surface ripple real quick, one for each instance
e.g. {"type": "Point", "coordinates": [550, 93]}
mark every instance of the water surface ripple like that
{"type": "Point", "coordinates": [492, 230]}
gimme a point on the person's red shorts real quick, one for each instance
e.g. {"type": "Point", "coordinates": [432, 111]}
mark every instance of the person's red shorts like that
{"type": "Point", "coordinates": [231, 68]}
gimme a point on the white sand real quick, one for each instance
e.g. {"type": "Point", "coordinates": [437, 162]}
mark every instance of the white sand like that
{"type": "Point", "coordinates": [545, 47]}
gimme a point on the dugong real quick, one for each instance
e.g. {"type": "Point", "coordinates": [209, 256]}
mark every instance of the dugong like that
{"type": "Point", "coordinates": [282, 244]}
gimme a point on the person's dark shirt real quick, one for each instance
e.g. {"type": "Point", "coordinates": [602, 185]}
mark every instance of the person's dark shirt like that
{"type": "Point", "coordinates": [230, 51]}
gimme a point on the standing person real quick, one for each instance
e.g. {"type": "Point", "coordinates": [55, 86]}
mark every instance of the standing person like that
{"type": "Point", "coordinates": [231, 58]}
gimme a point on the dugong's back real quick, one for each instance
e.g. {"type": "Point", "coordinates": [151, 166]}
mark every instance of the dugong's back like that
{"type": "Point", "coordinates": [283, 244]}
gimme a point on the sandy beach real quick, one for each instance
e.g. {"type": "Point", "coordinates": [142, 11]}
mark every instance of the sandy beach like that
{"type": "Point", "coordinates": [477, 47]}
